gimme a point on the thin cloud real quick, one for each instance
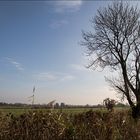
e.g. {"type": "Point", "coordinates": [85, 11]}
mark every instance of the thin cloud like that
{"type": "Point", "coordinates": [78, 67]}
{"type": "Point", "coordinates": [57, 24]}
{"type": "Point", "coordinates": [44, 76]}
{"type": "Point", "coordinates": [67, 78]}
{"type": "Point", "coordinates": [53, 76]}
{"type": "Point", "coordinates": [69, 6]}
{"type": "Point", "coordinates": [16, 64]}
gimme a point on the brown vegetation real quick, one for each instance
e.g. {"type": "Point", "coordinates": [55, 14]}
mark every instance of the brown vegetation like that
{"type": "Point", "coordinates": [91, 125]}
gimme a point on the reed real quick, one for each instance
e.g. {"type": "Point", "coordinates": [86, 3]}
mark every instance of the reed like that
{"type": "Point", "coordinates": [90, 125]}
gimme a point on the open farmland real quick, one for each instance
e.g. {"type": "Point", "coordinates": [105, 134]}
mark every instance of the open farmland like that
{"type": "Point", "coordinates": [19, 111]}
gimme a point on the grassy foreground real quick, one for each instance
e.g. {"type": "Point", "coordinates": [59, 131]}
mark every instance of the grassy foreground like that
{"type": "Point", "coordinates": [90, 125]}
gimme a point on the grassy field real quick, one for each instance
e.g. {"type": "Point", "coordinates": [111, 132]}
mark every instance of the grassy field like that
{"type": "Point", "coordinates": [19, 111]}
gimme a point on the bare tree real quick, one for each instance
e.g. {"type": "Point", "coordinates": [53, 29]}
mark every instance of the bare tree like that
{"type": "Point", "coordinates": [115, 42]}
{"type": "Point", "coordinates": [109, 104]}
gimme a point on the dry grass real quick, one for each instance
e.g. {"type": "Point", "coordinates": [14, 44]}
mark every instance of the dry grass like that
{"type": "Point", "coordinates": [91, 125]}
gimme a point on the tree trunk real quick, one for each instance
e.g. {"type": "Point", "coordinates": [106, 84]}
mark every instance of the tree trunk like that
{"type": "Point", "coordinates": [136, 111]}
{"type": "Point", "coordinates": [135, 108]}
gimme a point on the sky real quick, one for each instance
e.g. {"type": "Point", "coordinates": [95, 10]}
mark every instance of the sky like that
{"type": "Point", "coordinates": [40, 46]}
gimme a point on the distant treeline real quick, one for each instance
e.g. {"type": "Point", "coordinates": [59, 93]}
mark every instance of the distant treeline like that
{"type": "Point", "coordinates": [56, 105]}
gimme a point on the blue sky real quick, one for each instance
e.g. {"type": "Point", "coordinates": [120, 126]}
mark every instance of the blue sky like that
{"type": "Point", "coordinates": [39, 43]}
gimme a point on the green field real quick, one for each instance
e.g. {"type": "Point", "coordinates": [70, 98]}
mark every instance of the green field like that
{"type": "Point", "coordinates": [19, 111]}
